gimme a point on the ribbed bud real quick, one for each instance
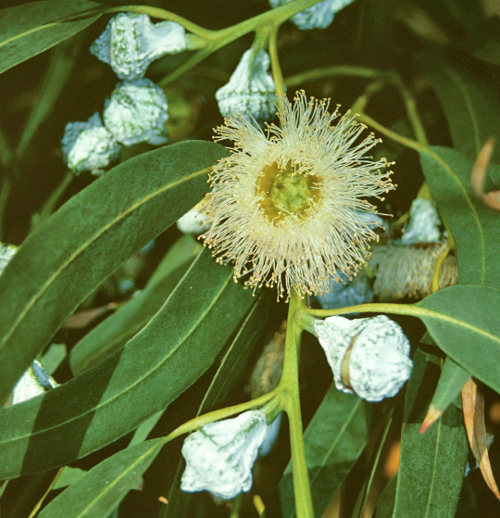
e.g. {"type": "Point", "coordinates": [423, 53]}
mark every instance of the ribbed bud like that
{"type": "Point", "coordinates": [193, 222]}
{"type": "Point", "coordinates": [424, 223]}
{"type": "Point", "coordinates": [137, 112]}
{"type": "Point", "coordinates": [220, 456]}
{"type": "Point", "coordinates": [342, 295]}
{"type": "Point", "coordinates": [368, 356]}
{"type": "Point", "coordinates": [88, 146]}
{"type": "Point", "coordinates": [251, 89]}
{"type": "Point", "coordinates": [319, 16]}
{"type": "Point", "coordinates": [131, 42]}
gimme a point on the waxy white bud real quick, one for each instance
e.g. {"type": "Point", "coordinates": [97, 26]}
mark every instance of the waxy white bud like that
{"type": "Point", "coordinates": [131, 42]}
{"type": "Point", "coordinates": [193, 222]}
{"type": "Point", "coordinates": [33, 382]}
{"type": "Point", "coordinates": [368, 356]}
{"type": "Point", "coordinates": [88, 146]}
{"type": "Point", "coordinates": [7, 252]}
{"type": "Point", "coordinates": [137, 112]}
{"type": "Point", "coordinates": [251, 89]}
{"type": "Point", "coordinates": [424, 223]}
{"type": "Point", "coordinates": [318, 16]}
{"type": "Point", "coordinates": [220, 456]}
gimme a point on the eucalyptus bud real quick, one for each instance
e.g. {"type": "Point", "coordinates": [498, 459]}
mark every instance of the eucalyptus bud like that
{"type": "Point", "coordinates": [318, 16]}
{"type": "Point", "coordinates": [251, 89]}
{"type": "Point", "coordinates": [137, 112]}
{"type": "Point", "coordinates": [368, 356]}
{"type": "Point", "coordinates": [220, 456]}
{"type": "Point", "coordinates": [7, 252]}
{"type": "Point", "coordinates": [131, 42]}
{"type": "Point", "coordinates": [33, 382]}
{"type": "Point", "coordinates": [424, 223]}
{"type": "Point", "coordinates": [193, 222]}
{"type": "Point", "coordinates": [88, 146]}
{"type": "Point", "coordinates": [347, 293]}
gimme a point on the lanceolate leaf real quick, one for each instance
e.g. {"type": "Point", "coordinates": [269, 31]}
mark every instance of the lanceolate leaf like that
{"type": "Point", "coordinates": [431, 470]}
{"type": "Point", "coordinates": [142, 378]}
{"type": "Point", "coordinates": [29, 29]}
{"type": "Point", "coordinates": [474, 226]}
{"type": "Point", "coordinates": [334, 440]}
{"type": "Point", "coordinates": [128, 320]}
{"type": "Point", "coordinates": [87, 239]}
{"type": "Point", "coordinates": [99, 491]}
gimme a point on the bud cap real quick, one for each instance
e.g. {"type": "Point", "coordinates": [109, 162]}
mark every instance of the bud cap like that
{"type": "Point", "coordinates": [131, 42]}
{"type": "Point", "coordinates": [137, 112]}
{"type": "Point", "coordinates": [220, 456]}
{"type": "Point", "coordinates": [379, 362]}
{"type": "Point", "coordinates": [88, 146]}
{"type": "Point", "coordinates": [33, 382]}
{"type": "Point", "coordinates": [250, 88]}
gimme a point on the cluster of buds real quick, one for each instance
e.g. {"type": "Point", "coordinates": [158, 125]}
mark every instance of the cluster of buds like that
{"type": "Point", "coordinates": [136, 111]}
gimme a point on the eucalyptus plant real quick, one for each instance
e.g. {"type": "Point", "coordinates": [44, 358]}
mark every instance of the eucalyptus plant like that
{"type": "Point", "coordinates": [254, 325]}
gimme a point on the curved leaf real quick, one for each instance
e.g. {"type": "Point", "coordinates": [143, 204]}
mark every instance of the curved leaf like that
{"type": "Point", "coordinates": [142, 378]}
{"type": "Point", "coordinates": [100, 490]}
{"type": "Point", "coordinates": [26, 30]}
{"type": "Point", "coordinates": [87, 239]}
{"type": "Point", "coordinates": [129, 319]}
{"type": "Point", "coordinates": [432, 465]}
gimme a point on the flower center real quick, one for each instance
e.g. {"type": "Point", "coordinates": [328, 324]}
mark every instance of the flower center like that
{"type": "Point", "coordinates": [283, 192]}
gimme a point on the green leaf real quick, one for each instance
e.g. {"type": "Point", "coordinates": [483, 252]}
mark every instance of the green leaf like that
{"type": "Point", "coordinates": [68, 476]}
{"type": "Point", "coordinates": [432, 465]}
{"type": "Point", "coordinates": [334, 440]}
{"type": "Point", "coordinates": [87, 239]}
{"type": "Point", "coordinates": [464, 322]}
{"type": "Point", "coordinates": [471, 105]}
{"type": "Point", "coordinates": [99, 491]}
{"type": "Point", "coordinates": [474, 226]}
{"type": "Point", "coordinates": [129, 319]}
{"type": "Point", "coordinates": [29, 29]}
{"type": "Point", "coordinates": [147, 374]}
{"type": "Point", "coordinates": [451, 381]}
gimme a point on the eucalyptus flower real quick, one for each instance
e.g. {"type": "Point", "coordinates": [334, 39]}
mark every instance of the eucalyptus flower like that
{"type": "Point", "coordinates": [289, 209]}
{"type": "Point", "coordinates": [424, 223]}
{"type": "Point", "coordinates": [368, 356]}
{"type": "Point", "coordinates": [220, 456]}
{"type": "Point", "coordinates": [137, 112]}
{"type": "Point", "coordinates": [251, 88]}
{"type": "Point", "coordinates": [88, 146]}
{"type": "Point", "coordinates": [318, 16]}
{"type": "Point", "coordinates": [131, 42]}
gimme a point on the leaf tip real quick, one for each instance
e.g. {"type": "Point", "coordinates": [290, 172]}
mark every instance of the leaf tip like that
{"type": "Point", "coordinates": [433, 414]}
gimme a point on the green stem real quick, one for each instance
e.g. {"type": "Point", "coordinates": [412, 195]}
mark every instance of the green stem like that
{"type": "Point", "coordinates": [222, 37]}
{"type": "Point", "coordinates": [4, 196]}
{"type": "Point", "coordinates": [333, 71]}
{"type": "Point", "coordinates": [289, 386]}
{"type": "Point", "coordinates": [49, 205]}
{"type": "Point", "coordinates": [364, 99]}
{"type": "Point", "coordinates": [275, 63]}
